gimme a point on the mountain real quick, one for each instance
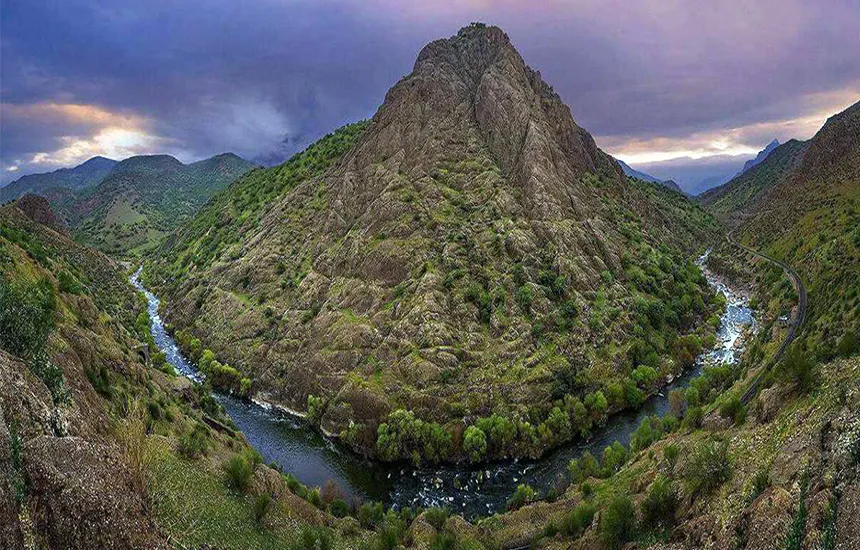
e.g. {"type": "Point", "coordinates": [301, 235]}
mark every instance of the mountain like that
{"type": "Point", "coordinates": [468, 251]}
{"type": "Point", "coordinates": [78, 178]}
{"type": "Point", "coordinates": [141, 199]}
{"type": "Point", "coordinates": [737, 197]}
{"type": "Point", "coordinates": [801, 205]}
{"type": "Point", "coordinates": [760, 156]}
{"type": "Point", "coordinates": [647, 177]}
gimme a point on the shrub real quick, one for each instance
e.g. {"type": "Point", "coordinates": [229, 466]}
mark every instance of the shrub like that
{"type": "Point", "coordinates": [709, 467]}
{"type": "Point", "coordinates": [522, 496]}
{"type": "Point", "coordinates": [262, 503]}
{"type": "Point", "coordinates": [314, 538]}
{"type": "Point", "coordinates": [660, 504]}
{"type": "Point", "coordinates": [370, 514]}
{"type": "Point", "coordinates": [584, 467]}
{"type": "Point", "coordinates": [618, 522]}
{"type": "Point", "coordinates": [676, 402]}
{"type": "Point", "coordinates": [194, 442]}
{"type": "Point", "coordinates": [693, 418]}
{"type": "Point", "coordinates": [403, 435]}
{"type": "Point", "coordinates": [475, 443]}
{"type": "Point", "coordinates": [437, 516]}
{"type": "Point", "coordinates": [316, 407]}
{"type": "Point", "coordinates": [644, 376]}
{"type": "Point", "coordinates": [760, 482]}
{"type": "Point", "coordinates": [390, 533]}
{"type": "Point", "coordinates": [691, 396]}
{"type": "Point", "coordinates": [577, 520]}
{"type": "Point", "coordinates": [670, 453]}
{"type": "Point", "coordinates": [68, 283]}
{"type": "Point", "coordinates": [848, 344]}
{"type": "Point", "coordinates": [613, 458]}
{"type": "Point", "coordinates": [796, 367]}
{"type": "Point", "coordinates": [734, 409]}
{"type": "Point", "coordinates": [445, 541]}
{"type": "Point", "coordinates": [239, 472]}
{"type": "Point", "coordinates": [338, 508]}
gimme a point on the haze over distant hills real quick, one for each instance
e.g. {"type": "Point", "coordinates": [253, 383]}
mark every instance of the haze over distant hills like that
{"type": "Point", "coordinates": [760, 156]}
{"type": "Point", "coordinates": [77, 178]}
{"type": "Point", "coordinates": [648, 177]}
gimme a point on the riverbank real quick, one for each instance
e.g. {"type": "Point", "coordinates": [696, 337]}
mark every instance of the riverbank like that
{"type": "Point", "coordinates": [284, 436]}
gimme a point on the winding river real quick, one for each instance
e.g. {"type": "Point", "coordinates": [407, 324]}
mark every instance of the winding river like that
{"type": "Point", "coordinates": [290, 442]}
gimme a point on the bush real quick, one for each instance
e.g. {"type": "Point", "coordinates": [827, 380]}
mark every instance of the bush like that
{"type": "Point", "coordinates": [68, 283]}
{"type": "Point", "coordinates": [403, 436]}
{"type": "Point", "coordinates": [522, 496]}
{"type": "Point", "coordinates": [618, 522]}
{"type": "Point", "coordinates": [660, 504]}
{"type": "Point", "coordinates": [316, 407]}
{"type": "Point", "coordinates": [676, 402]}
{"type": "Point", "coordinates": [475, 443]}
{"type": "Point", "coordinates": [670, 453]}
{"type": "Point", "coordinates": [577, 520]}
{"type": "Point", "coordinates": [194, 443]}
{"type": "Point", "coordinates": [848, 344]}
{"type": "Point", "coordinates": [584, 467]}
{"type": "Point", "coordinates": [796, 367]}
{"type": "Point", "coordinates": [370, 514]}
{"type": "Point", "coordinates": [613, 458]}
{"type": "Point", "coordinates": [734, 409]}
{"type": "Point", "coordinates": [437, 516]}
{"type": "Point", "coordinates": [339, 508]}
{"type": "Point", "coordinates": [445, 541]}
{"type": "Point", "coordinates": [693, 418]}
{"type": "Point", "coordinates": [262, 503]}
{"type": "Point", "coordinates": [239, 472]}
{"type": "Point", "coordinates": [709, 467]}
{"type": "Point", "coordinates": [390, 533]}
{"type": "Point", "coordinates": [314, 538]}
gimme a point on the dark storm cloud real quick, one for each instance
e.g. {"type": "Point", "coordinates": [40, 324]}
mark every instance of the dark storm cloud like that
{"type": "Point", "coordinates": [265, 78]}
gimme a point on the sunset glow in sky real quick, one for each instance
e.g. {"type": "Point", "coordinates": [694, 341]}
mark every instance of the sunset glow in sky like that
{"type": "Point", "coordinates": [653, 81]}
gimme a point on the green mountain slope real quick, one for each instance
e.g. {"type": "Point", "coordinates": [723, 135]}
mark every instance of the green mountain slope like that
{"type": "Point", "coordinates": [469, 251]}
{"type": "Point", "coordinates": [735, 199]}
{"type": "Point", "coordinates": [803, 207]}
{"type": "Point", "coordinates": [78, 178]}
{"type": "Point", "coordinates": [142, 198]}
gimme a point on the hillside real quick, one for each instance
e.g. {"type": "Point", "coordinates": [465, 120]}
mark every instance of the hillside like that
{"type": "Point", "coordinates": [102, 445]}
{"type": "Point", "coordinates": [141, 199]}
{"type": "Point", "coordinates": [804, 209]}
{"type": "Point", "coordinates": [78, 178]}
{"type": "Point", "coordinates": [467, 252]}
{"type": "Point", "coordinates": [737, 198]}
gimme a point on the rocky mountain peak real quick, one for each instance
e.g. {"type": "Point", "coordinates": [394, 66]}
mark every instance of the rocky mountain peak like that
{"type": "Point", "coordinates": [473, 93]}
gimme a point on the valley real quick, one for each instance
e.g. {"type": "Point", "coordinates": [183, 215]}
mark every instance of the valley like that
{"type": "Point", "coordinates": [456, 325]}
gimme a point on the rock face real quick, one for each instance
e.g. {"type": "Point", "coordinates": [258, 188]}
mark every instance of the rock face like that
{"type": "Point", "coordinates": [83, 496]}
{"type": "Point", "coordinates": [407, 273]}
{"type": "Point", "coordinates": [39, 210]}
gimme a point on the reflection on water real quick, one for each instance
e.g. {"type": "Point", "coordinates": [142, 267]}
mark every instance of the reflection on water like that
{"type": "Point", "coordinates": [289, 442]}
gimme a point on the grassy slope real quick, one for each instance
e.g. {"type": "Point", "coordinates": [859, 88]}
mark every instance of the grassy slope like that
{"type": "Point", "coordinates": [734, 200]}
{"type": "Point", "coordinates": [99, 322]}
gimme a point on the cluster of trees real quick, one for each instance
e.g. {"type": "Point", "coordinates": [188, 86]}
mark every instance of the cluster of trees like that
{"type": "Point", "coordinates": [221, 376]}
{"type": "Point", "coordinates": [403, 436]}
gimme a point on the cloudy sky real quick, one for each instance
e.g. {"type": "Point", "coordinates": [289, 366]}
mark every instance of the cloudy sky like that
{"type": "Point", "coordinates": [669, 86]}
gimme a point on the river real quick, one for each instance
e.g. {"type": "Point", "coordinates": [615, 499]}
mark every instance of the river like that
{"type": "Point", "coordinates": [297, 448]}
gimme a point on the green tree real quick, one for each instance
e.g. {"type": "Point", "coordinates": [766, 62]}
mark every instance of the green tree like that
{"type": "Point", "coordinates": [475, 443]}
{"type": "Point", "coordinates": [618, 523]}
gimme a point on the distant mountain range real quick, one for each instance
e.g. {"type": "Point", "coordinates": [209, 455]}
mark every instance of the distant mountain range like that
{"type": "Point", "coordinates": [80, 177]}
{"type": "Point", "coordinates": [648, 177]}
{"type": "Point", "coordinates": [760, 156]}
{"type": "Point", "coordinates": [124, 208]}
